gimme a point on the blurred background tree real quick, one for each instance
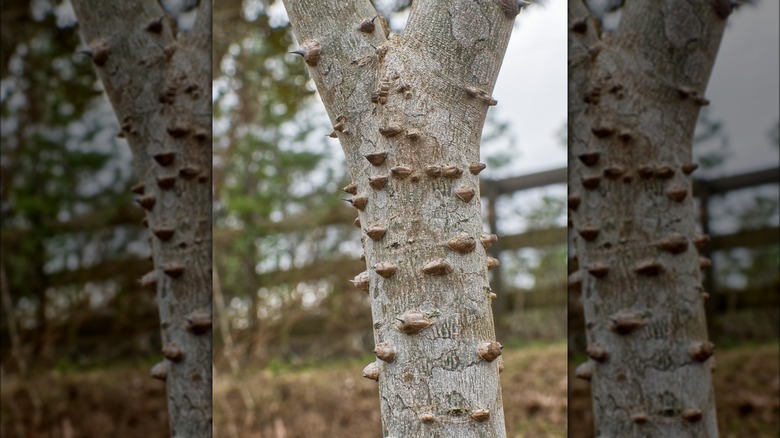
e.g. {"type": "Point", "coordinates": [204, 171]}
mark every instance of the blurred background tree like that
{"type": "Point", "coordinates": [78, 332]}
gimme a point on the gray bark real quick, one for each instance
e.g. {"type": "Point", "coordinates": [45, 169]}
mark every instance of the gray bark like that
{"type": "Point", "coordinates": [417, 102]}
{"type": "Point", "coordinates": [159, 84]}
{"type": "Point", "coordinates": [634, 98]}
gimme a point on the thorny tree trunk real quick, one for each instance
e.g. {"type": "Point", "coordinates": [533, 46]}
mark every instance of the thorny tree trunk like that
{"type": "Point", "coordinates": [409, 112]}
{"type": "Point", "coordinates": [634, 98]}
{"type": "Point", "coordinates": [159, 84]}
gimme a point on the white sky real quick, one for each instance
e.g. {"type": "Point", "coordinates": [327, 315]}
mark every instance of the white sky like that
{"type": "Point", "coordinates": [532, 90]}
{"type": "Point", "coordinates": [744, 88]}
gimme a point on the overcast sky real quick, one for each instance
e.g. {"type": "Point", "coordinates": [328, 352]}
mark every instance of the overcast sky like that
{"type": "Point", "coordinates": [532, 87]}
{"type": "Point", "coordinates": [744, 87]}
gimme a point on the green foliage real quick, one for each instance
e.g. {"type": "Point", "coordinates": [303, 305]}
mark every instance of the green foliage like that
{"type": "Point", "coordinates": [61, 164]}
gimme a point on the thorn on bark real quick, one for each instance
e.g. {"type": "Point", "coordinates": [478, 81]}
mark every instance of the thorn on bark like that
{"type": "Point", "coordinates": [691, 415]}
{"type": "Point", "coordinates": [705, 263]}
{"type": "Point", "coordinates": [590, 158]}
{"type": "Point", "coordinates": [476, 168]}
{"type": "Point", "coordinates": [700, 240]}
{"type": "Point", "coordinates": [614, 172]}
{"type": "Point", "coordinates": [391, 130]}
{"type": "Point", "coordinates": [401, 172]}
{"type": "Point", "coordinates": [645, 171]}
{"type": "Point", "coordinates": [98, 50]}
{"type": "Point", "coordinates": [426, 417]}
{"type": "Point", "coordinates": [367, 25]}
{"type": "Point", "coordinates": [674, 243]}
{"type": "Point", "coordinates": [588, 233]}
{"type": "Point", "coordinates": [480, 415]}
{"type": "Point", "coordinates": [164, 159]}
{"type": "Point", "coordinates": [663, 172]}
{"type": "Point", "coordinates": [147, 202]}
{"type": "Point", "coordinates": [597, 352]}
{"type": "Point", "coordinates": [677, 193]}
{"type": "Point", "coordinates": [626, 321]}
{"type": "Point", "coordinates": [377, 182]}
{"type": "Point", "coordinates": [452, 171]}
{"type": "Point", "coordinates": [575, 281]}
{"type": "Point", "coordinates": [625, 136]}
{"type": "Point", "coordinates": [358, 202]}
{"type": "Point", "coordinates": [488, 240]}
{"type": "Point", "coordinates": [584, 371]}
{"type": "Point", "coordinates": [190, 172]}
{"type": "Point", "coordinates": [166, 182]}
{"type": "Point", "coordinates": [310, 51]}
{"type": "Point", "coordinates": [138, 188]}
{"type": "Point", "coordinates": [649, 268]}
{"type": "Point", "coordinates": [371, 371]}
{"type": "Point", "coordinates": [361, 281]}
{"type": "Point", "coordinates": [434, 171]}
{"type": "Point", "coordinates": [172, 352]}
{"type": "Point", "coordinates": [155, 26]}
{"type": "Point", "coordinates": [723, 8]}
{"type": "Point", "coordinates": [385, 269]}
{"type": "Point", "coordinates": [700, 351]}
{"type": "Point", "coordinates": [603, 131]}
{"type": "Point", "coordinates": [375, 232]}
{"type": "Point", "coordinates": [351, 188]}
{"type": "Point", "coordinates": [163, 233]}
{"type": "Point", "coordinates": [385, 351]}
{"type": "Point", "coordinates": [149, 281]}
{"type": "Point", "coordinates": [376, 158]}
{"type": "Point", "coordinates": [462, 243]}
{"type": "Point", "coordinates": [574, 202]}
{"type": "Point", "coordinates": [492, 263]}
{"type": "Point", "coordinates": [465, 194]}
{"type": "Point", "coordinates": [489, 351]}
{"type": "Point", "coordinates": [689, 168]}
{"type": "Point", "coordinates": [483, 96]}
{"type": "Point", "coordinates": [160, 371]}
{"type": "Point", "coordinates": [198, 322]}
{"type": "Point", "coordinates": [178, 131]}
{"type": "Point", "coordinates": [639, 418]}
{"type": "Point", "coordinates": [412, 322]}
{"type": "Point", "coordinates": [591, 182]}
{"type": "Point", "coordinates": [580, 25]}
{"type": "Point", "coordinates": [173, 270]}
{"type": "Point", "coordinates": [437, 267]}
{"type": "Point", "coordinates": [357, 222]}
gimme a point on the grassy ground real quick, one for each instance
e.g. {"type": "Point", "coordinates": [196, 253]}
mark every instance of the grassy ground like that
{"type": "Point", "coordinates": [332, 400]}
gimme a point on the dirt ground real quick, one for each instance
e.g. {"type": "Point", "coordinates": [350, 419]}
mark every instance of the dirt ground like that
{"type": "Point", "coordinates": [335, 401]}
{"type": "Point", "coordinates": [747, 394]}
{"type": "Point", "coordinates": [332, 400]}
{"type": "Point", "coordinates": [94, 404]}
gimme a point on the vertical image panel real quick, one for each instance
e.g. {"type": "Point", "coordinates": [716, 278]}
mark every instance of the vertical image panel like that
{"type": "Point", "coordinates": [673, 207]}
{"type": "Point", "coordinates": [106, 219]}
{"type": "Point", "coordinates": [380, 257]}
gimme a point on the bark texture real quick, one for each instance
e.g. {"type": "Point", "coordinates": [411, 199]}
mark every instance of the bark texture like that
{"type": "Point", "coordinates": [408, 110]}
{"type": "Point", "coordinates": [634, 98]}
{"type": "Point", "coordinates": [159, 84]}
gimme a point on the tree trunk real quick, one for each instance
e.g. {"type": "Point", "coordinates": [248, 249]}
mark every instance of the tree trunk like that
{"type": "Point", "coordinates": [634, 99]}
{"type": "Point", "coordinates": [408, 111]}
{"type": "Point", "coordinates": [159, 84]}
